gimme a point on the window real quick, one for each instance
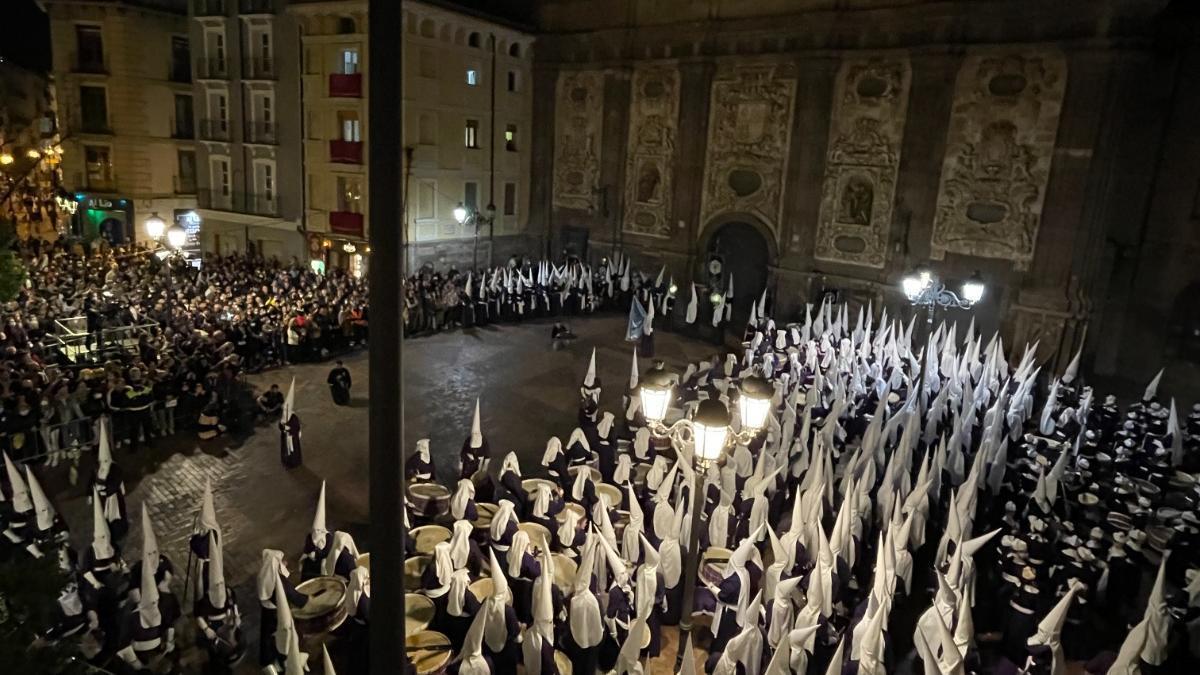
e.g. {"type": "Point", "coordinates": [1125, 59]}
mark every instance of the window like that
{"type": "Point", "coordinates": [187, 172]}
{"type": "Point", "coordinates": [471, 134]}
{"type": "Point", "coordinates": [98, 161]}
{"type": "Point", "coordinates": [514, 80]}
{"type": "Point", "coordinates": [220, 176]}
{"type": "Point", "coordinates": [348, 126]}
{"type": "Point", "coordinates": [349, 61]}
{"type": "Point", "coordinates": [218, 107]}
{"type": "Point", "coordinates": [510, 199]}
{"type": "Point", "coordinates": [474, 40]}
{"type": "Point", "coordinates": [510, 137]}
{"type": "Point", "coordinates": [471, 195]}
{"type": "Point", "coordinates": [264, 46]}
{"type": "Point", "coordinates": [264, 181]}
{"type": "Point", "coordinates": [219, 49]}
{"type": "Point", "coordinates": [266, 109]}
{"type": "Point", "coordinates": [89, 47]}
{"type": "Point", "coordinates": [427, 63]}
{"type": "Point", "coordinates": [427, 129]}
{"type": "Point", "coordinates": [183, 116]}
{"type": "Point", "coordinates": [514, 50]}
{"type": "Point", "coordinates": [426, 200]}
{"type": "Point", "coordinates": [349, 194]}
{"type": "Point", "coordinates": [181, 59]}
{"type": "Point", "coordinates": [472, 77]}
{"type": "Point", "coordinates": [93, 107]}
{"type": "Point", "coordinates": [345, 25]}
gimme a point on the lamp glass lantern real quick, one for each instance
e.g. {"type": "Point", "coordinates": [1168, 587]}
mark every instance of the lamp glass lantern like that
{"type": "Point", "coordinates": [655, 393]}
{"type": "Point", "coordinates": [176, 236]}
{"type": "Point", "coordinates": [460, 213]}
{"type": "Point", "coordinates": [710, 429]}
{"type": "Point", "coordinates": [912, 286]}
{"type": "Point", "coordinates": [973, 288]}
{"type": "Point", "coordinates": [155, 226]}
{"type": "Point", "coordinates": [755, 403]}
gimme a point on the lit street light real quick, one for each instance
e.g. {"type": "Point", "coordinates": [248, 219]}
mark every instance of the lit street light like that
{"type": "Point", "coordinates": [155, 227]}
{"type": "Point", "coordinates": [709, 434]}
{"type": "Point", "coordinates": [924, 289]}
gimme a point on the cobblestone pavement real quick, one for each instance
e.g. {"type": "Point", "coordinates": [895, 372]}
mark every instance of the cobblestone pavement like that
{"type": "Point", "coordinates": [528, 392]}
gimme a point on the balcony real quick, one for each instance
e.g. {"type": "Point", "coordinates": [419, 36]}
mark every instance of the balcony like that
{"type": "Point", "coordinates": [249, 203]}
{"type": "Point", "coordinates": [258, 68]}
{"type": "Point", "coordinates": [256, 7]}
{"type": "Point", "coordinates": [95, 125]}
{"type": "Point", "coordinates": [345, 152]}
{"type": "Point", "coordinates": [88, 63]}
{"type": "Point", "coordinates": [214, 68]}
{"type": "Point", "coordinates": [344, 222]}
{"type": "Point", "coordinates": [214, 130]}
{"type": "Point", "coordinates": [183, 130]}
{"type": "Point", "coordinates": [345, 86]}
{"type": "Point", "coordinates": [209, 7]}
{"type": "Point", "coordinates": [260, 132]}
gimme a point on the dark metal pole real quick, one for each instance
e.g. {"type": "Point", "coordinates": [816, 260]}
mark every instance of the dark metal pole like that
{"type": "Point", "coordinates": [386, 425]}
{"type": "Point", "coordinates": [693, 564]}
{"type": "Point", "coordinates": [492, 168]}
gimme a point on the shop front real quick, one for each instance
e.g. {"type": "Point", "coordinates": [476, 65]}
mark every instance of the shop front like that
{"type": "Point", "coordinates": [108, 218]}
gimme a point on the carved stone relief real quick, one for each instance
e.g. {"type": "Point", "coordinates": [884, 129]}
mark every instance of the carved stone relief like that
{"type": "Point", "coordinates": [865, 134]}
{"type": "Point", "coordinates": [749, 131]}
{"type": "Point", "coordinates": [579, 111]}
{"type": "Point", "coordinates": [998, 153]}
{"type": "Point", "coordinates": [653, 121]}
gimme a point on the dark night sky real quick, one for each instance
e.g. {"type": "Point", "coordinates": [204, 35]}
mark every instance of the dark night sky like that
{"type": "Point", "coordinates": [25, 35]}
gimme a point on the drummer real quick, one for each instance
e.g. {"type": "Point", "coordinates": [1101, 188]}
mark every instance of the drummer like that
{"type": "Point", "coordinates": [570, 532]}
{"type": "Point", "coordinates": [509, 486]}
{"type": "Point", "coordinates": [218, 620]}
{"type": "Point", "coordinates": [603, 442]}
{"type": "Point", "coordinates": [358, 596]}
{"type": "Point", "coordinates": [462, 502]}
{"type": "Point", "coordinates": [475, 449]}
{"type": "Point", "coordinates": [545, 505]}
{"type": "Point", "coordinates": [554, 460]}
{"type": "Point", "coordinates": [317, 544]}
{"type": "Point", "coordinates": [206, 522]}
{"type": "Point", "coordinates": [273, 569]}
{"type": "Point", "coordinates": [454, 606]}
{"type": "Point", "coordinates": [418, 468]}
{"type": "Point", "coordinates": [342, 558]}
{"type": "Point", "coordinates": [503, 628]}
{"type": "Point", "coordinates": [522, 567]}
{"type": "Point", "coordinates": [149, 630]}
{"type": "Point", "coordinates": [437, 573]}
{"type": "Point", "coordinates": [503, 527]}
{"type": "Point", "coordinates": [464, 551]}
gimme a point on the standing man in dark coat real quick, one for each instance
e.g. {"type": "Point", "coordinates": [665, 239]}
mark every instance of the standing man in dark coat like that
{"type": "Point", "coordinates": [339, 384]}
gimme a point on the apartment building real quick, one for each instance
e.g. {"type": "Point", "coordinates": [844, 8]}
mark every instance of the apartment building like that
{"type": "Point", "coordinates": [467, 113]}
{"type": "Point", "coordinates": [122, 73]}
{"type": "Point", "coordinates": [247, 98]}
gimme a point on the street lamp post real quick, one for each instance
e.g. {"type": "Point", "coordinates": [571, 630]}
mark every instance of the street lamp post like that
{"type": "Point", "coordinates": [172, 239]}
{"type": "Point", "coordinates": [709, 435]}
{"type": "Point", "coordinates": [924, 289]}
{"type": "Point", "coordinates": [462, 214]}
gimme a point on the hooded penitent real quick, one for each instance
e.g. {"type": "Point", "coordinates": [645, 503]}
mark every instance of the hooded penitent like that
{"type": "Point", "coordinates": [476, 440]}
{"type": "Point", "coordinates": [319, 532]}
{"type": "Point", "coordinates": [496, 632]}
{"type": "Point", "coordinates": [217, 596]}
{"type": "Point", "coordinates": [102, 547]}
{"type": "Point", "coordinates": [21, 503]}
{"type": "Point", "coordinates": [587, 628]}
{"type": "Point", "coordinates": [43, 510]}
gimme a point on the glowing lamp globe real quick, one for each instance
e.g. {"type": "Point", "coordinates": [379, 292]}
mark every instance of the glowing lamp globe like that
{"type": "Point", "coordinates": [176, 236]}
{"type": "Point", "coordinates": [155, 226]}
{"type": "Point", "coordinates": [755, 403]}
{"type": "Point", "coordinates": [710, 429]}
{"type": "Point", "coordinates": [912, 286]}
{"type": "Point", "coordinates": [460, 213]}
{"type": "Point", "coordinates": [972, 289]}
{"type": "Point", "coordinates": [655, 393]}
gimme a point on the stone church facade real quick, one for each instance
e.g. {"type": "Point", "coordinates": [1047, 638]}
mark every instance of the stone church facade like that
{"type": "Point", "coordinates": [828, 146]}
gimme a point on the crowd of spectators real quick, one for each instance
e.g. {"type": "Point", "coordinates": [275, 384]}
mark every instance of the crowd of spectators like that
{"type": "Point", "coordinates": [151, 340]}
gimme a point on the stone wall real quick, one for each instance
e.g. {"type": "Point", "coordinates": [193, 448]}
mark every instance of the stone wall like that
{"type": "Point", "coordinates": [1017, 139]}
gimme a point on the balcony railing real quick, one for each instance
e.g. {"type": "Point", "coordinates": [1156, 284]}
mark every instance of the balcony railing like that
{"type": "Point", "coordinates": [345, 86]}
{"type": "Point", "coordinates": [209, 7]}
{"type": "Point", "coordinates": [101, 183]}
{"type": "Point", "coordinates": [256, 7]}
{"type": "Point", "coordinates": [94, 126]}
{"type": "Point", "coordinates": [88, 63]}
{"type": "Point", "coordinates": [260, 132]}
{"type": "Point", "coordinates": [212, 68]}
{"type": "Point", "coordinates": [344, 222]}
{"type": "Point", "coordinates": [249, 203]}
{"type": "Point", "coordinates": [214, 130]}
{"type": "Point", "coordinates": [185, 186]}
{"type": "Point", "coordinates": [182, 129]}
{"type": "Point", "coordinates": [345, 152]}
{"type": "Point", "coordinates": [180, 71]}
{"type": "Point", "coordinates": [258, 68]}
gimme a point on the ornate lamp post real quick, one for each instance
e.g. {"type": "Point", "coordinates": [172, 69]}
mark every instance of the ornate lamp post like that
{"type": "Point", "coordinates": [462, 214]}
{"type": "Point", "coordinates": [709, 435]}
{"type": "Point", "coordinates": [924, 289]}
{"type": "Point", "coordinates": [172, 239]}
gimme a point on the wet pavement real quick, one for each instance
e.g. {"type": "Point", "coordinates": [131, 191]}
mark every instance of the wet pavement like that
{"type": "Point", "coordinates": [528, 392]}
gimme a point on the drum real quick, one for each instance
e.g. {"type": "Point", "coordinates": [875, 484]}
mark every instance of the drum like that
{"type": "Point", "coordinates": [364, 561]}
{"type": "Point", "coordinates": [325, 609]}
{"type": "Point", "coordinates": [531, 485]}
{"type": "Point", "coordinates": [414, 568]}
{"type": "Point", "coordinates": [572, 506]}
{"type": "Point", "coordinates": [565, 570]}
{"type": "Point", "coordinates": [611, 494]}
{"type": "Point", "coordinates": [426, 537]}
{"type": "Point", "coordinates": [483, 519]}
{"type": "Point", "coordinates": [713, 563]}
{"type": "Point", "coordinates": [536, 533]}
{"type": "Point", "coordinates": [429, 499]}
{"type": "Point", "coordinates": [418, 613]}
{"type": "Point", "coordinates": [429, 652]}
{"type": "Point", "coordinates": [574, 471]}
{"type": "Point", "coordinates": [482, 590]}
{"type": "Point", "coordinates": [563, 662]}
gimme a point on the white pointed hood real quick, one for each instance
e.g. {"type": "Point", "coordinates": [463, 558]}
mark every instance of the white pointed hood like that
{"type": "Point", "coordinates": [472, 661]}
{"type": "Point", "coordinates": [688, 667]}
{"type": "Point", "coordinates": [289, 402]}
{"type": "Point", "coordinates": [587, 628]}
{"type": "Point", "coordinates": [149, 614]}
{"type": "Point", "coordinates": [693, 307]}
{"type": "Point", "coordinates": [102, 546]}
{"type": "Point", "coordinates": [21, 503]}
{"type": "Point", "coordinates": [150, 553]}
{"type": "Point", "coordinates": [216, 573]}
{"type": "Point", "coordinates": [319, 532]}
{"type": "Point", "coordinates": [208, 511]}
{"type": "Point", "coordinates": [1152, 388]}
{"type": "Point", "coordinates": [476, 429]}
{"type": "Point", "coordinates": [496, 633]}
{"type": "Point", "coordinates": [1158, 622]}
{"type": "Point", "coordinates": [104, 460]}
{"type": "Point", "coordinates": [326, 662]}
{"type": "Point", "coordinates": [835, 662]}
{"type": "Point", "coordinates": [1128, 661]}
{"type": "Point", "coordinates": [1049, 630]}
{"type": "Point", "coordinates": [589, 380]}
{"type": "Point", "coordinates": [43, 510]}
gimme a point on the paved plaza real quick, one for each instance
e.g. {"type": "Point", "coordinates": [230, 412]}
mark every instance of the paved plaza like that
{"type": "Point", "coordinates": [528, 392]}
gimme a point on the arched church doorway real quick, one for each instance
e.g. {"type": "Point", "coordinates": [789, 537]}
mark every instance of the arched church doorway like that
{"type": "Point", "coordinates": [745, 253]}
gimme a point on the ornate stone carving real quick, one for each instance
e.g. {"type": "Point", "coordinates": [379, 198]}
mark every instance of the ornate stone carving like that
{"type": "Point", "coordinates": [865, 134]}
{"type": "Point", "coordinates": [579, 116]}
{"type": "Point", "coordinates": [998, 153]}
{"type": "Point", "coordinates": [653, 121]}
{"type": "Point", "coordinates": [749, 131]}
